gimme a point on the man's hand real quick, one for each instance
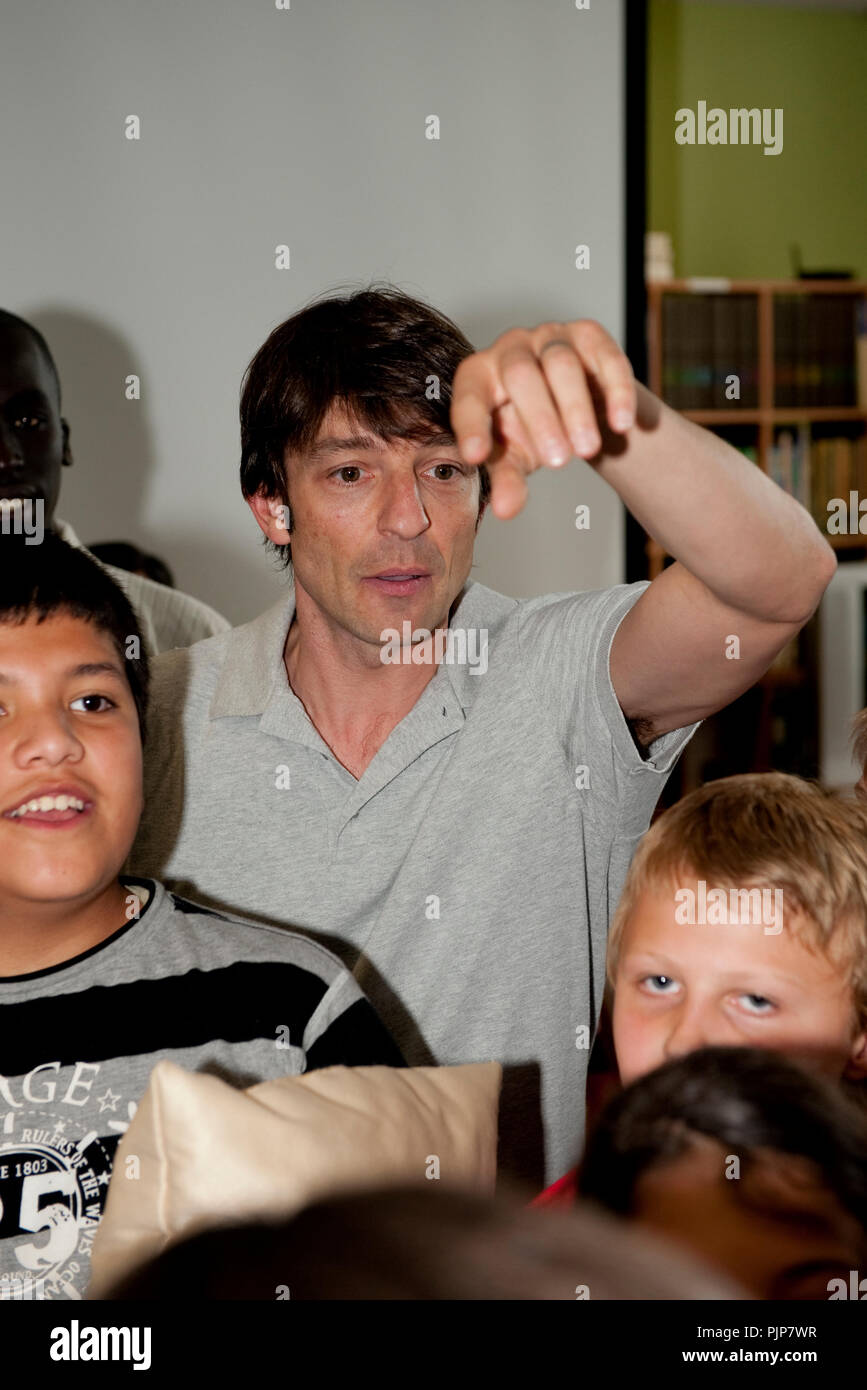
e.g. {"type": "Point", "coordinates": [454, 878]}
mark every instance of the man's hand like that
{"type": "Point", "coordinates": [534, 398]}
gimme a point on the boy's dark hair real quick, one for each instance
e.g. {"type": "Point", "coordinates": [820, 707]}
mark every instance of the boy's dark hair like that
{"type": "Point", "coordinates": [374, 351]}
{"type": "Point", "coordinates": [747, 1098]}
{"type": "Point", "coordinates": [53, 577]}
{"type": "Point", "coordinates": [418, 1244]}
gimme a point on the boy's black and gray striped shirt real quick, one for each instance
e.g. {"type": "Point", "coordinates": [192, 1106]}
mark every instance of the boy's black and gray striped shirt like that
{"type": "Point", "coordinates": [78, 1041]}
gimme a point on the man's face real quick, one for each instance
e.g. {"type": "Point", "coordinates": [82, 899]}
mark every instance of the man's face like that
{"type": "Point", "coordinates": [365, 513]}
{"type": "Point", "coordinates": [680, 986]}
{"type": "Point", "coordinates": [33, 437]}
{"type": "Point", "coordinates": [68, 729]}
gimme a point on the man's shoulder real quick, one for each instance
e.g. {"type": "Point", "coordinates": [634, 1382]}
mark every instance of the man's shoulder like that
{"type": "Point", "coordinates": [178, 618]}
{"type": "Point", "coordinates": [590, 601]}
{"type": "Point", "coordinates": [480, 604]}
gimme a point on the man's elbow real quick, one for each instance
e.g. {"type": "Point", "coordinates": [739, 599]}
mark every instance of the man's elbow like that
{"type": "Point", "coordinates": [811, 575]}
{"type": "Point", "coordinates": [820, 575]}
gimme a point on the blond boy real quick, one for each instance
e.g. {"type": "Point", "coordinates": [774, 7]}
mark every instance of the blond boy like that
{"type": "Point", "coordinates": [743, 920]}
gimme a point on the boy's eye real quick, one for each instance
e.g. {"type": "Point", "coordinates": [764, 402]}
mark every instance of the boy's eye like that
{"type": "Point", "coordinates": [95, 704]}
{"type": "Point", "coordinates": [658, 984]}
{"type": "Point", "coordinates": [28, 421]}
{"type": "Point", "coordinates": [756, 1003]}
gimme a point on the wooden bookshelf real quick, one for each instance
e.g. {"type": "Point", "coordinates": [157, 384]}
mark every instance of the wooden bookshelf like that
{"type": "Point", "coordinates": [775, 723]}
{"type": "Point", "coordinates": [766, 416]}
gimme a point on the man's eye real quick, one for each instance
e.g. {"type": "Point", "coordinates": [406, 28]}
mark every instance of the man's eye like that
{"type": "Point", "coordinates": [95, 704]}
{"type": "Point", "coordinates": [658, 984]}
{"type": "Point", "coordinates": [756, 1003]}
{"type": "Point", "coordinates": [451, 468]}
{"type": "Point", "coordinates": [348, 468]}
{"type": "Point", "coordinates": [30, 422]}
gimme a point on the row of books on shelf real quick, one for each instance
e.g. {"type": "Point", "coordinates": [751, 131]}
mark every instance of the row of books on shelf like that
{"type": "Point", "coordinates": [815, 471]}
{"type": "Point", "coordinates": [710, 339]}
{"type": "Point", "coordinates": [706, 340]}
{"type": "Point", "coordinates": [815, 352]}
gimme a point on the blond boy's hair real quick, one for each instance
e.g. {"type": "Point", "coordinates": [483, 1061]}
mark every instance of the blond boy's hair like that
{"type": "Point", "coordinates": [767, 830]}
{"type": "Point", "coordinates": [859, 738]}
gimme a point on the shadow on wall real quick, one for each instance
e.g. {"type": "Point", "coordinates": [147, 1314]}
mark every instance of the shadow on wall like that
{"type": "Point", "coordinates": [105, 494]}
{"type": "Point", "coordinates": [540, 551]}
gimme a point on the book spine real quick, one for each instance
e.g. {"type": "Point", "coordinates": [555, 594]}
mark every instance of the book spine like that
{"type": "Point", "coordinates": [747, 347]}
{"type": "Point", "coordinates": [799, 351]}
{"type": "Point", "coordinates": [784, 365]}
{"type": "Point", "coordinates": [861, 353]}
{"type": "Point", "coordinates": [726, 360]}
{"type": "Point", "coordinates": [805, 474]}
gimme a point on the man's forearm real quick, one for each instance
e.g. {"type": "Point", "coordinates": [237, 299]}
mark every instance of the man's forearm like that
{"type": "Point", "coordinates": [717, 513]}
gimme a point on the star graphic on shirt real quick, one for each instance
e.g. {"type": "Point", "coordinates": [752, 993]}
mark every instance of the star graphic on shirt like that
{"type": "Point", "coordinates": [121, 1125]}
{"type": "Point", "coordinates": [103, 1179]}
{"type": "Point", "coordinates": [108, 1101]}
{"type": "Point", "coordinates": [60, 1126]}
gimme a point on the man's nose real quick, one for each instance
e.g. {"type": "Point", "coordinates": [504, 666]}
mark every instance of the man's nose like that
{"type": "Point", "coordinates": [403, 511]}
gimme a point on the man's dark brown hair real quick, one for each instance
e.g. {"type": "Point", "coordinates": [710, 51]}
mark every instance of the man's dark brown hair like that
{"type": "Point", "coordinates": [389, 360]}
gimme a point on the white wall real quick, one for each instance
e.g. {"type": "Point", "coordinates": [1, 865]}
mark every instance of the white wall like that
{"type": "Point", "coordinates": [306, 126]}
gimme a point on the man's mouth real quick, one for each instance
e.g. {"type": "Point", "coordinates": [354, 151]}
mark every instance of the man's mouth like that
{"type": "Point", "coordinates": [60, 809]}
{"type": "Point", "coordinates": [399, 581]}
{"type": "Point", "coordinates": [10, 490]}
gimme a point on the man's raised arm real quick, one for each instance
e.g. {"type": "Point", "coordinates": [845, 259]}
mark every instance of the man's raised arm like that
{"type": "Point", "coordinates": [750, 563]}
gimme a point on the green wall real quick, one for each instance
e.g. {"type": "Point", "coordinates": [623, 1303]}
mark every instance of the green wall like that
{"type": "Point", "coordinates": [730, 209]}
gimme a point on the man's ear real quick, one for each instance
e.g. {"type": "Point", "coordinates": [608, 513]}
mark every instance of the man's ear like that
{"type": "Point", "coordinates": [856, 1067]}
{"type": "Point", "coordinates": [66, 456]}
{"type": "Point", "coordinates": [273, 516]}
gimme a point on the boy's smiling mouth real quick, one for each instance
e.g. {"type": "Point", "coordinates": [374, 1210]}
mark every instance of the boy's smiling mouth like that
{"type": "Point", "coordinates": [57, 807]}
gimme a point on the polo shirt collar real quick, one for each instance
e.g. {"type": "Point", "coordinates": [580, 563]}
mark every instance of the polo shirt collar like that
{"type": "Point", "coordinates": [253, 665]}
{"type": "Point", "coordinates": [253, 682]}
{"type": "Point", "coordinates": [66, 533]}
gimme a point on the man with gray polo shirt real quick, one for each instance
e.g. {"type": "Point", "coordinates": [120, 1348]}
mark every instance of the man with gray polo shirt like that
{"type": "Point", "coordinates": [460, 836]}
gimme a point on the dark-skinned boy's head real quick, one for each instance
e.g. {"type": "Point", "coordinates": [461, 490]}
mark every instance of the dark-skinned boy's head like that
{"type": "Point", "coordinates": [34, 437]}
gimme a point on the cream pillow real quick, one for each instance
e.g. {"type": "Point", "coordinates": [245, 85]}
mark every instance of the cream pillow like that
{"type": "Point", "coordinates": [201, 1153]}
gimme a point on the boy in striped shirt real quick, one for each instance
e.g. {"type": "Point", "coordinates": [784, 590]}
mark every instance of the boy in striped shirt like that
{"type": "Point", "coordinates": [102, 977]}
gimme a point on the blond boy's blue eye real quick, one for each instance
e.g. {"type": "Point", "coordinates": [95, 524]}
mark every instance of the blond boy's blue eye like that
{"type": "Point", "coordinates": [652, 981]}
{"type": "Point", "coordinates": [757, 1000]}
